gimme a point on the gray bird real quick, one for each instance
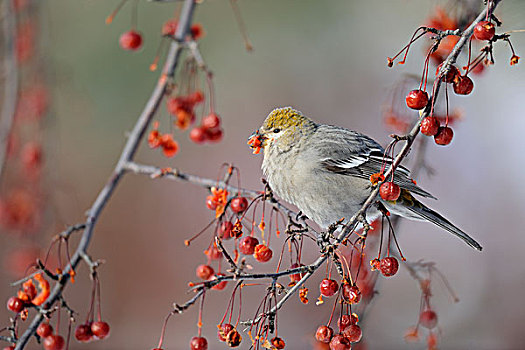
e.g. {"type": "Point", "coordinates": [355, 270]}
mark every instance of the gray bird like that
{"type": "Point", "coordinates": [325, 171]}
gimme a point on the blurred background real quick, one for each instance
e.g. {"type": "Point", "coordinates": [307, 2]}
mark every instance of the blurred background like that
{"type": "Point", "coordinates": [327, 59]}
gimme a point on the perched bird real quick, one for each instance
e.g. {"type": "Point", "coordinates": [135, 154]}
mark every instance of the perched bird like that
{"type": "Point", "coordinates": [325, 171]}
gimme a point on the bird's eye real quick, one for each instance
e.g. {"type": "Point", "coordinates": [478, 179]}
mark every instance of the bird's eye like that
{"type": "Point", "coordinates": [276, 130]}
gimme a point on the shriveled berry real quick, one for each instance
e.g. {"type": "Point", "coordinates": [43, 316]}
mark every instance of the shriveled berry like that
{"type": "Point", "coordinates": [224, 330]}
{"type": "Point", "coordinates": [353, 333]}
{"type": "Point", "coordinates": [428, 319]}
{"type": "Point", "coordinates": [204, 271]}
{"type": "Point", "coordinates": [44, 330]}
{"type": "Point", "coordinates": [484, 30]}
{"type": "Point", "coordinates": [211, 121]}
{"type": "Point", "coordinates": [429, 126]}
{"type": "Point", "coordinates": [463, 85]}
{"type": "Point", "coordinates": [340, 342]}
{"type": "Point", "coordinates": [170, 147]}
{"type": "Point", "coordinates": [198, 135]}
{"type": "Point", "coordinates": [389, 266]}
{"type": "Point", "coordinates": [221, 285]}
{"type": "Point", "coordinates": [328, 287]}
{"type": "Point", "coordinates": [247, 245]}
{"type": "Point", "coordinates": [451, 74]}
{"type": "Point", "coordinates": [389, 191]}
{"type": "Point", "coordinates": [83, 333]}
{"type": "Point", "coordinates": [225, 230]}
{"type": "Point", "coordinates": [130, 40]}
{"type": "Point", "coordinates": [239, 204]}
{"type": "Point", "coordinates": [324, 334]}
{"type": "Point", "coordinates": [278, 343]}
{"type": "Point", "coordinates": [54, 342]}
{"type": "Point", "coordinates": [30, 289]}
{"type": "Point", "coordinates": [262, 253]}
{"type": "Point", "coordinates": [444, 136]}
{"type": "Point", "coordinates": [100, 329]}
{"type": "Point", "coordinates": [233, 338]}
{"type": "Point", "coordinates": [15, 304]}
{"type": "Point", "coordinates": [198, 343]}
{"type": "Point", "coordinates": [417, 99]}
{"type": "Point", "coordinates": [351, 293]}
{"type": "Point", "coordinates": [375, 264]}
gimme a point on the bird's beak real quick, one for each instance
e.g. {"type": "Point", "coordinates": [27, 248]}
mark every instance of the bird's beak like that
{"type": "Point", "coordinates": [257, 141]}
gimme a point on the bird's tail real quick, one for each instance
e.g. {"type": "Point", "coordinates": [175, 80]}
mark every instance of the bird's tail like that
{"type": "Point", "coordinates": [407, 204]}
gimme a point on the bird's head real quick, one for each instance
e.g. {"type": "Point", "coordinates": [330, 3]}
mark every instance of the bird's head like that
{"type": "Point", "coordinates": [283, 127]}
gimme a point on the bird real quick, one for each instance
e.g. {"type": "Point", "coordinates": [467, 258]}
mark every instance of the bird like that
{"type": "Point", "coordinates": [325, 171]}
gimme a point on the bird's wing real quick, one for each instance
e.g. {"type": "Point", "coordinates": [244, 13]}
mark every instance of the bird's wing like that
{"type": "Point", "coordinates": [350, 153]}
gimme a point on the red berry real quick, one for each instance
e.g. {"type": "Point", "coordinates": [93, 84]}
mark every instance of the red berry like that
{"type": "Point", "coordinates": [211, 121]}
{"type": "Point", "coordinates": [389, 266]}
{"type": "Point", "coordinates": [278, 343]}
{"type": "Point", "coordinates": [214, 135]}
{"type": "Point", "coordinates": [15, 304]}
{"type": "Point", "coordinates": [100, 329]}
{"type": "Point", "coordinates": [451, 74]}
{"type": "Point", "coordinates": [247, 245]}
{"type": "Point", "coordinates": [44, 330]}
{"type": "Point", "coordinates": [196, 97]}
{"type": "Point", "coordinates": [224, 330]}
{"type": "Point", "coordinates": [221, 285]}
{"type": "Point", "coordinates": [417, 99]}
{"type": "Point", "coordinates": [11, 347]}
{"type": "Point", "coordinates": [130, 40]}
{"type": "Point", "coordinates": [262, 253]}
{"type": "Point", "coordinates": [54, 342]}
{"type": "Point", "coordinates": [198, 343]}
{"type": "Point", "coordinates": [463, 85]}
{"type": "Point", "coordinates": [353, 333]}
{"type": "Point", "coordinates": [345, 321]}
{"type": "Point", "coordinates": [169, 27]}
{"type": "Point", "coordinates": [196, 31]}
{"type": "Point", "coordinates": [198, 135]}
{"type": "Point", "coordinates": [484, 30]}
{"type": "Point", "coordinates": [340, 342]}
{"type": "Point", "coordinates": [328, 287]}
{"type": "Point", "coordinates": [428, 319]}
{"type": "Point", "coordinates": [444, 136]}
{"type": "Point", "coordinates": [239, 204]}
{"type": "Point", "coordinates": [296, 277]}
{"type": "Point", "coordinates": [351, 294]}
{"type": "Point", "coordinates": [83, 333]}
{"type": "Point", "coordinates": [324, 334]}
{"type": "Point", "coordinates": [225, 230]}
{"type": "Point", "coordinates": [389, 191]}
{"type": "Point", "coordinates": [211, 203]}
{"type": "Point", "coordinates": [204, 271]}
{"type": "Point", "coordinates": [213, 252]}
{"type": "Point", "coordinates": [429, 126]}
{"type": "Point", "coordinates": [154, 139]}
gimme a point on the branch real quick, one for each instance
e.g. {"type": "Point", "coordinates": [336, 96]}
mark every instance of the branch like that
{"type": "Point", "coordinates": [126, 156]}
{"type": "Point", "coordinates": [174, 174]}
